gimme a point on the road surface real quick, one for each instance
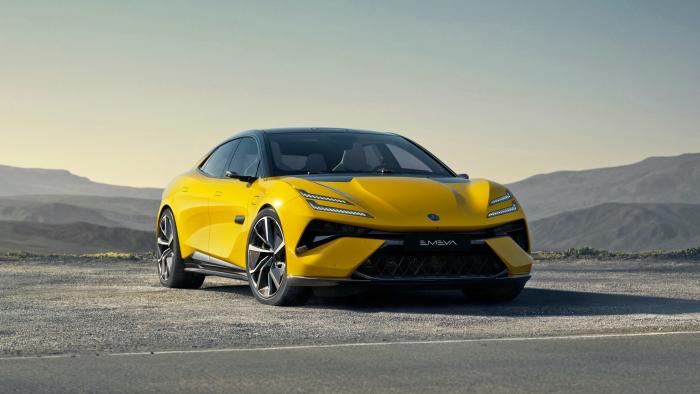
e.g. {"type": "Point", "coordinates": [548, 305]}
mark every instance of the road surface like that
{"type": "Point", "coordinates": [84, 325]}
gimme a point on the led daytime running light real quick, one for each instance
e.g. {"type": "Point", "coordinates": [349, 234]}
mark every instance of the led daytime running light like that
{"type": "Point", "coordinates": [323, 198]}
{"type": "Point", "coordinates": [325, 208]}
{"type": "Point", "coordinates": [501, 199]}
{"type": "Point", "coordinates": [503, 211]}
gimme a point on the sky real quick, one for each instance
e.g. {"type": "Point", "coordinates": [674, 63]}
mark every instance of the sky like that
{"type": "Point", "coordinates": [135, 92]}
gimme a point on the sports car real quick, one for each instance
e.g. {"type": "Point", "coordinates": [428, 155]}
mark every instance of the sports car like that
{"type": "Point", "coordinates": [296, 211]}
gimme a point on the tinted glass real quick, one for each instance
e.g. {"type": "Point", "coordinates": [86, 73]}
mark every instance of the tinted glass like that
{"type": "Point", "coordinates": [215, 164]}
{"type": "Point", "coordinates": [320, 152]}
{"type": "Point", "coordinates": [245, 160]}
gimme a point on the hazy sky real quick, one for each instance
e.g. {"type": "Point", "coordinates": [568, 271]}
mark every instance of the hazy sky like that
{"type": "Point", "coordinates": [135, 92]}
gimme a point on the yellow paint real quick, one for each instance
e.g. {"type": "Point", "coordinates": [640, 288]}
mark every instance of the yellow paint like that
{"type": "Point", "coordinates": [516, 260]}
{"type": "Point", "coordinates": [336, 259]}
{"type": "Point", "coordinates": [205, 209]}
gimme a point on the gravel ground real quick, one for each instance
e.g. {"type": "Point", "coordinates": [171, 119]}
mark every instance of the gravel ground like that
{"type": "Point", "coordinates": [87, 306]}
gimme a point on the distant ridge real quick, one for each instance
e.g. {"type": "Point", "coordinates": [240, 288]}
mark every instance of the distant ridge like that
{"type": "Point", "coordinates": [652, 204]}
{"type": "Point", "coordinates": [72, 238]}
{"type": "Point", "coordinates": [133, 213]}
{"type": "Point", "coordinates": [621, 227]}
{"type": "Point", "coordinates": [674, 179]}
{"type": "Point", "coordinates": [16, 181]}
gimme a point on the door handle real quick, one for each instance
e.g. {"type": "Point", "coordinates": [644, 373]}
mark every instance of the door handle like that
{"type": "Point", "coordinates": [218, 193]}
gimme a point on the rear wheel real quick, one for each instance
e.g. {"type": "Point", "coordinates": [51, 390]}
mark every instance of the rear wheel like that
{"type": "Point", "coordinates": [171, 266]}
{"type": "Point", "coordinates": [493, 293]}
{"type": "Point", "coordinates": [267, 263]}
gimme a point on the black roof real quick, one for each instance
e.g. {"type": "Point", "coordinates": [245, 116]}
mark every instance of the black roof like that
{"type": "Point", "coordinates": [260, 132]}
{"type": "Point", "coordinates": [323, 129]}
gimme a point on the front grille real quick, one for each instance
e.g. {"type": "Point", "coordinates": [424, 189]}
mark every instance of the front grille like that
{"type": "Point", "coordinates": [400, 265]}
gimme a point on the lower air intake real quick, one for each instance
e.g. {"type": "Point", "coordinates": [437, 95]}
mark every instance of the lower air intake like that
{"type": "Point", "coordinates": [401, 265]}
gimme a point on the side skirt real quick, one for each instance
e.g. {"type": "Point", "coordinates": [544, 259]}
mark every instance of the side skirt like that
{"type": "Point", "coordinates": [204, 264]}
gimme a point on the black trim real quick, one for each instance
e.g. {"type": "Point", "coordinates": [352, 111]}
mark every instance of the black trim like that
{"type": "Point", "coordinates": [311, 238]}
{"type": "Point", "coordinates": [213, 269]}
{"type": "Point", "coordinates": [398, 262]}
{"type": "Point", "coordinates": [304, 281]}
{"type": "Point", "coordinates": [458, 179]}
{"type": "Point", "coordinates": [324, 177]}
{"type": "Point", "coordinates": [217, 272]}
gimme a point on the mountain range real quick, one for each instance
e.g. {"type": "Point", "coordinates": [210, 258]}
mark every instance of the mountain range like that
{"type": "Point", "coordinates": [34, 181]}
{"type": "Point", "coordinates": [621, 227]}
{"type": "Point", "coordinates": [654, 180]}
{"type": "Point", "coordinates": [127, 212]}
{"type": "Point", "coordinates": [642, 206]}
{"type": "Point", "coordinates": [55, 211]}
{"type": "Point", "coordinates": [77, 238]}
{"type": "Point", "coordinates": [652, 204]}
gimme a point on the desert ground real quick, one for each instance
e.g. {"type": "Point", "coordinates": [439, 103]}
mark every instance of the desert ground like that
{"type": "Point", "coordinates": [64, 309]}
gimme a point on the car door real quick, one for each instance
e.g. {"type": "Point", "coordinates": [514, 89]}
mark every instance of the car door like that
{"type": "Point", "coordinates": [228, 206]}
{"type": "Point", "coordinates": [193, 198]}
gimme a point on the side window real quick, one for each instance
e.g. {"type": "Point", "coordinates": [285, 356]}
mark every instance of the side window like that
{"type": "Point", "coordinates": [407, 160]}
{"type": "Point", "coordinates": [216, 163]}
{"type": "Point", "coordinates": [245, 160]}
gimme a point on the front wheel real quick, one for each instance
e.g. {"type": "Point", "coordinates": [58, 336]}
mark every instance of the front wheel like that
{"type": "Point", "coordinates": [267, 263]}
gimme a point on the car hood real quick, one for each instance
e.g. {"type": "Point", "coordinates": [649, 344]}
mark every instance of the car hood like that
{"type": "Point", "coordinates": [404, 203]}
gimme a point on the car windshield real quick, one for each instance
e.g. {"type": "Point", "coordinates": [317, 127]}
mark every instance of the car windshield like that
{"type": "Point", "coordinates": [318, 152]}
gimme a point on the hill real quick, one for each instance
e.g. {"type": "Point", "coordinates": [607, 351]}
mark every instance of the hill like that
{"type": "Point", "coordinates": [32, 181]}
{"type": "Point", "coordinates": [621, 227]}
{"type": "Point", "coordinates": [72, 238]}
{"type": "Point", "coordinates": [133, 213]}
{"type": "Point", "coordinates": [654, 180]}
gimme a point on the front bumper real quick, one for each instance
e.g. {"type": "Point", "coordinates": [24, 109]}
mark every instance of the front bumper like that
{"type": "Point", "coordinates": [393, 259]}
{"type": "Point", "coordinates": [304, 281]}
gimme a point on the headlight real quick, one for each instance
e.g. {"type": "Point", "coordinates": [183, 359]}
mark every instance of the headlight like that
{"type": "Point", "coordinates": [501, 199]}
{"type": "Point", "coordinates": [323, 198]}
{"type": "Point", "coordinates": [503, 211]}
{"type": "Point", "coordinates": [325, 208]}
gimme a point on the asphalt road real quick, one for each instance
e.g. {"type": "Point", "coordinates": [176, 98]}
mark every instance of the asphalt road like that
{"type": "Point", "coordinates": [619, 363]}
{"type": "Point", "coordinates": [91, 325]}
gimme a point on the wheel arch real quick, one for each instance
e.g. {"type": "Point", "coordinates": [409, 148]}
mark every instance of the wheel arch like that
{"type": "Point", "coordinates": [265, 206]}
{"type": "Point", "coordinates": [162, 209]}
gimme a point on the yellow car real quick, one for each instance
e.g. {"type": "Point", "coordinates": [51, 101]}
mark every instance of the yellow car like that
{"type": "Point", "coordinates": [292, 210]}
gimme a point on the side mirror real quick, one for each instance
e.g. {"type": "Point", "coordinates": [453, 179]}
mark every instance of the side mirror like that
{"type": "Point", "coordinates": [465, 176]}
{"type": "Point", "coordinates": [243, 178]}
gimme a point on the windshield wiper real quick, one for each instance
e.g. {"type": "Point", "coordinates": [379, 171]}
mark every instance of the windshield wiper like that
{"type": "Point", "coordinates": [384, 171]}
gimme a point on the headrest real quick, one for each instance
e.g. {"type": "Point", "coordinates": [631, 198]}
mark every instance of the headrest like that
{"type": "Point", "coordinates": [316, 163]}
{"type": "Point", "coordinates": [354, 159]}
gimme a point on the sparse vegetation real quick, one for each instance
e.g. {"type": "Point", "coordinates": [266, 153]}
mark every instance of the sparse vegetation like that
{"type": "Point", "coordinates": [587, 252]}
{"type": "Point", "coordinates": [22, 255]}
{"type": "Point", "coordinates": [113, 255]}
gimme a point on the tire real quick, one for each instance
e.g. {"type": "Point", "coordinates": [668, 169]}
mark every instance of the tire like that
{"type": "Point", "coordinates": [266, 263]}
{"type": "Point", "coordinates": [501, 293]}
{"type": "Point", "coordinates": [171, 266]}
